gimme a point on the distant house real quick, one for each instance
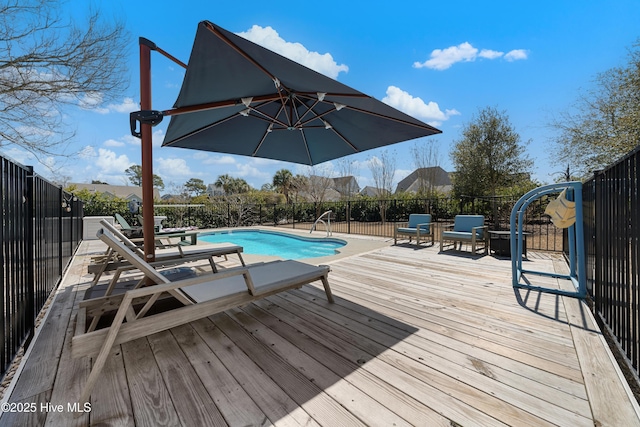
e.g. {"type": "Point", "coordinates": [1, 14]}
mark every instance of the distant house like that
{"type": "Point", "coordinates": [320, 188]}
{"type": "Point", "coordinates": [370, 191]}
{"type": "Point", "coordinates": [347, 186]}
{"type": "Point", "coordinates": [130, 193]}
{"type": "Point", "coordinates": [215, 190]}
{"type": "Point", "coordinates": [426, 179]}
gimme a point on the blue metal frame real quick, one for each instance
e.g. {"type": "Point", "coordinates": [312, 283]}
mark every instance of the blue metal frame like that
{"type": "Point", "coordinates": [577, 270]}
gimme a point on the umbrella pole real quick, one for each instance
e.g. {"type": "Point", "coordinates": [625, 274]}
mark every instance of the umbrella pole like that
{"type": "Point", "coordinates": [147, 151]}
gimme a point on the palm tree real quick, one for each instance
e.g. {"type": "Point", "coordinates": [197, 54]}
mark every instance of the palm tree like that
{"type": "Point", "coordinates": [224, 181]}
{"type": "Point", "coordinates": [282, 181]}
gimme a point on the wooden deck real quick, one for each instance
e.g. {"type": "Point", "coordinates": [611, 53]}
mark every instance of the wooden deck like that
{"type": "Point", "coordinates": [415, 338]}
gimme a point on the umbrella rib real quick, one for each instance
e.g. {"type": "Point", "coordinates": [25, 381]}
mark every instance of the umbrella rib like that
{"type": "Point", "coordinates": [393, 119]}
{"type": "Point", "coordinates": [215, 105]}
{"type": "Point", "coordinates": [233, 46]}
{"type": "Point", "coordinates": [209, 126]}
{"type": "Point", "coordinates": [268, 117]}
{"type": "Point", "coordinates": [266, 132]}
{"type": "Point", "coordinates": [306, 146]}
{"type": "Point", "coordinates": [346, 141]}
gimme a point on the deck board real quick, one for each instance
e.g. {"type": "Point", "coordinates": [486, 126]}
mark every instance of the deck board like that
{"type": "Point", "coordinates": [415, 337]}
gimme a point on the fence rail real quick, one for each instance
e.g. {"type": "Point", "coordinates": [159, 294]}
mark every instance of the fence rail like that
{"type": "Point", "coordinates": [612, 233]}
{"type": "Point", "coordinates": [368, 217]}
{"type": "Point", "coordinates": [41, 227]}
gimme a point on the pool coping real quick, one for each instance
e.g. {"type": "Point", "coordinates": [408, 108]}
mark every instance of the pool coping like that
{"type": "Point", "coordinates": [356, 244]}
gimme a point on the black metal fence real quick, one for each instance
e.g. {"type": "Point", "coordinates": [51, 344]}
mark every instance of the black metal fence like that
{"type": "Point", "coordinates": [41, 227]}
{"type": "Point", "coordinates": [612, 232]}
{"type": "Point", "coordinates": [364, 216]}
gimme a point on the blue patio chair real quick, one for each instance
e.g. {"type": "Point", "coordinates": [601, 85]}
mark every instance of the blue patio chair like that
{"type": "Point", "coordinates": [419, 225]}
{"type": "Point", "coordinates": [466, 229]}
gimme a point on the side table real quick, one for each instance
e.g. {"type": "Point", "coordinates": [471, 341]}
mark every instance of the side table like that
{"type": "Point", "coordinates": [500, 242]}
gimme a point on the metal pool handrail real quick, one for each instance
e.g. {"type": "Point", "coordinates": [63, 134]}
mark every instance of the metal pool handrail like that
{"type": "Point", "coordinates": [327, 225]}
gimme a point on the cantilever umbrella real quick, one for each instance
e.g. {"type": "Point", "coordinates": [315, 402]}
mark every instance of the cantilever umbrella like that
{"type": "Point", "coordinates": [240, 98]}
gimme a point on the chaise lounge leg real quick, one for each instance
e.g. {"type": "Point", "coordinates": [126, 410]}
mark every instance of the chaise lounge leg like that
{"type": "Point", "coordinates": [327, 289]}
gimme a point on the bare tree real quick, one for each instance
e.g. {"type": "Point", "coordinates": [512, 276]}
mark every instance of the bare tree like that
{"type": "Point", "coordinates": [383, 170]}
{"type": "Point", "coordinates": [426, 159]}
{"type": "Point", "coordinates": [47, 63]}
{"type": "Point", "coordinates": [348, 169]}
{"type": "Point", "coordinates": [318, 183]}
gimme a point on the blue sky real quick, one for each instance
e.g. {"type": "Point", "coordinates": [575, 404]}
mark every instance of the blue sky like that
{"type": "Point", "coordinates": [438, 61]}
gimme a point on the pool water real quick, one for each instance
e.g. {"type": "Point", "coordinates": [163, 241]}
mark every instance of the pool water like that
{"type": "Point", "coordinates": [287, 246]}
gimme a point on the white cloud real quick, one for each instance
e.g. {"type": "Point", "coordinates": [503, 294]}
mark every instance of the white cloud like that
{"type": "Point", "coordinates": [490, 54]}
{"type": "Point", "coordinates": [109, 162]}
{"type": "Point", "coordinates": [127, 106]}
{"type": "Point", "coordinates": [21, 156]}
{"type": "Point", "coordinates": [269, 38]}
{"type": "Point", "coordinates": [172, 168]}
{"type": "Point", "coordinates": [113, 143]}
{"type": "Point", "coordinates": [157, 138]}
{"type": "Point", "coordinates": [441, 59]}
{"type": "Point", "coordinates": [249, 170]}
{"type": "Point", "coordinates": [87, 152]}
{"type": "Point", "coordinates": [92, 101]}
{"type": "Point", "coordinates": [416, 107]}
{"type": "Point", "coordinates": [219, 160]}
{"type": "Point", "coordinates": [516, 55]}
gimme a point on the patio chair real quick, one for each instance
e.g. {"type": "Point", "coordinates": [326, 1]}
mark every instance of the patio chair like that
{"type": "Point", "coordinates": [419, 225]}
{"type": "Point", "coordinates": [127, 229]}
{"type": "Point", "coordinates": [167, 229]}
{"type": "Point", "coordinates": [200, 297]}
{"type": "Point", "coordinates": [165, 256]}
{"type": "Point", "coordinates": [466, 229]}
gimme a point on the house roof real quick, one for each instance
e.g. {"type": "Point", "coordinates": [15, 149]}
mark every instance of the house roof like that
{"type": "Point", "coordinates": [373, 191]}
{"type": "Point", "coordinates": [435, 176]}
{"type": "Point", "coordinates": [123, 191]}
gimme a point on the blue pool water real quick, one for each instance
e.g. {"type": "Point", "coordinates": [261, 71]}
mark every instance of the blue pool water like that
{"type": "Point", "coordinates": [286, 246]}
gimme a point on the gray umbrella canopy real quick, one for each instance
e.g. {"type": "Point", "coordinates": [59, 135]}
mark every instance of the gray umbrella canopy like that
{"type": "Point", "coordinates": [244, 99]}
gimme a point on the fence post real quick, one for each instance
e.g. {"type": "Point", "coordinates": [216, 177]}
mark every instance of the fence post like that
{"type": "Point", "coordinates": [348, 216]}
{"type": "Point", "coordinates": [228, 214]}
{"type": "Point", "coordinates": [30, 267]}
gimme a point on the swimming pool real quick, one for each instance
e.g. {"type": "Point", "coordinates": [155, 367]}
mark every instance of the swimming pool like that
{"type": "Point", "coordinates": [287, 246]}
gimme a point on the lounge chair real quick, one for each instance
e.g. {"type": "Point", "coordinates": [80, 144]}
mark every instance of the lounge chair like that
{"type": "Point", "coordinates": [201, 297]}
{"type": "Point", "coordinates": [167, 229]}
{"type": "Point", "coordinates": [419, 225]}
{"type": "Point", "coordinates": [466, 228]}
{"type": "Point", "coordinates": [111, 260]}
{"type": "Point", "coordinates": [127, 229]}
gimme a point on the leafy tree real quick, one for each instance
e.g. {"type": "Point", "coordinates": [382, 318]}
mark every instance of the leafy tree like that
{"type": "Point", "coordinates": [96, 203]}
{"type": "Point", "coordinates": [489, 156]}
{"type": "Point", "coordinates": [239, 186]}
{"type": "Point", "coordinates": [195, 187]}
{"type": "Point", "coordinates": [95, 181]}
{"type": "Point", "coordinates": [604, 123]}
{"type": "Point", "coordinates": [224, 182]}
{"type": "Point", "coordinates": [282, 182]}
{"type": "Point", "coordinates": [232, 185]}
{"type": "Point", "coordinates": [135, 177]}
{"type": "Point", "coordinates": [49, 62]}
